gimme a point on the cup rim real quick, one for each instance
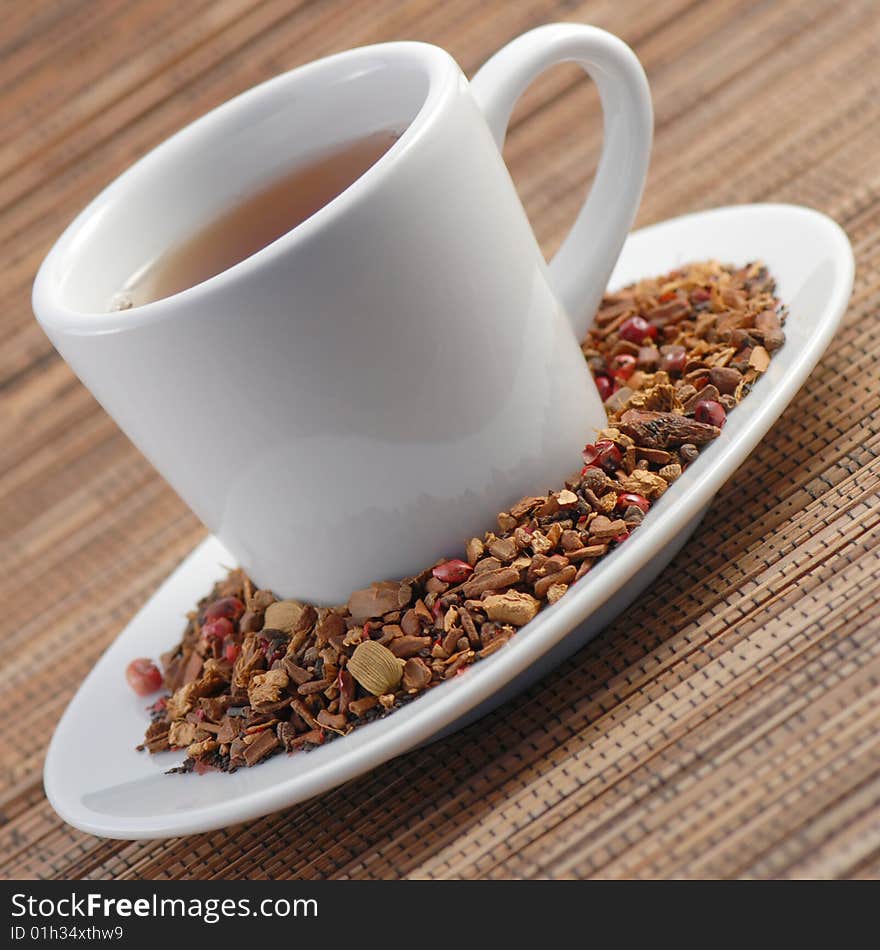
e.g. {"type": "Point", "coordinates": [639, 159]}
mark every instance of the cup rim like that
{"type": "Point", "coordinates": [443, 75]}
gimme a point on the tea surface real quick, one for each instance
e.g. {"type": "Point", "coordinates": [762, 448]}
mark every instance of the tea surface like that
{"type": "Point", "coordinates": [253, 223]}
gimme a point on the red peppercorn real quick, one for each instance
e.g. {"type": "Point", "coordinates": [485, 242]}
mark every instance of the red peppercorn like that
{"type": "Point", "coordinates": [232, 651]}
{"type": "Point", "coordinates": [230, 607]}
{"type": "Point", "coordinates": [627, 498]}
{"type": "Point", "coordinates": [707, 410]}
{"type": "Point", "coordinates": [622, 537]}
{"type": "Point", "coordinates": [143, 676]}
{"type": "Point", "coordinates": [604, 453]}
{"type": "Point", "coordinates": [673, 358]}
{"type": "Point", "coordinates": [452, 572]}
{"type": "Point", "coordinates": [605, 385]}
{"type": "Point", "coordinates": [218, 629]}
{"type": "Point", "coordinates": [609, 455]}
{"type": "Point", "coordinates": [622, 366]}
{"type": "Point", "coordinates": [635, 329]}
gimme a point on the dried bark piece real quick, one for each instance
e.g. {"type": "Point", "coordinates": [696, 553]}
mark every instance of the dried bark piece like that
{"type": "Point", "coordinates": [767, 323]}
{"type": "Point", "coordinates": [335, 722]}
{"type": "Point", "coordinates": [301, 629]}
{"type": "Point", "coordinates": [260, 600]}
{"type": "Point", "coordinates": [410, 623]}
{"type": "Point", "coordinates": [644, 483]}
{"type": "Point", "coordinates": [506, 521]}
{"type": "Point", "coordinates": [565, 577]}
{"type": "Point", "coordinates": [304, 713]}
{"type": "Point", "coordinates": [487, 564]}
{"type": "Point", "coordinates": [604, 529]}
{"type": "Point", "coordinates": [284, 615]}
{"type": "Point", "coordinates": [655, 456]}
{"type": "Point", "coordinates": [202, 748]}
{"type": "Point", "coordinates": [616, 306]}
{"type": "Point", "coordinates": [490, 580]}
{"type": "Point", "coordinates": [542, 566]}
{"type": "Point", "coordinates": [570, 540]}
{"type": "Point", "coordinates": [229, 730]}
{"type": "Point", "coordinates": [660, 430]}
{"type": "Point", "coordinates": [494, 646]}
{"type": "Point", "coordinates": [618, 400]}
{"type": "Point", "coordinates": [404, 647]}
{"type": "Point", "coordinates": [469, 627]}
{"type": "Point", "coordinates": [251, 658]}
{"type": "Point", "coordinates": [511, 607]}
{"type": "Point", "coordinates": [182, 734]}
{"type": "Point", "coordinates": [708, 393]}
{"type": "Point", "coordinates": [458, 663]}
{"type": "Point", "coordinates": [191, 668]}
{"type": "Point", "coordinates": [359, 706]}
{"type": "Point", "coordinates": [330, 624]}
{"type": "Point", "coordinates": [672, 312]}
{"type": "Point", "coordinates": [504, 549]}
{"type": "Point", "coordinates": [526, 505]}
{"type": "Point", "coordinates": [473, 550]}
{"type": "Point", "coordinates": [390, 631]}
{"type": "Point", "coordinates": [251, 622]}
{"type": "Point", "coordinates": [264, 743]}
{"type": "Point", "coordinates": [157, 736]}
{"type": "Point", "coordinates": [296, 674]}
{"type": "Point", "coordinates": [184, 700]}
{"type": "Point", "coordinates": [373, 601]}
{"type": "Point", "coordinates": [648, 358]}
{"type": "Point", "coordinates": [556, 592]}
{"type": "Point", "coordinates": [589, 551]}
{"type": "Point", "coordinates": [541, 543]}
{"type": "Point", "coordinates": [725, 379]}
{"type": "Point", "coordinates": [661, 398]}
{"type": "Point", "coordinates": [759, 359]}
{"type": "Point", "coordinates": [404, 595]}
{"type": "Point", "coordinates": [314, 686]}
{"type": "Point", "coordinates": [313, 738]}
{"type": "Point", "coordinates": [607, 502]}
{"type": "Point", "coordinates": [416, 675]}
{"type": "Point", "coordinates": [267, 688]}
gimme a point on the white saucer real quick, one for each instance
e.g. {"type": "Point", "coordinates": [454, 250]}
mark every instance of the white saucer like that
{"type": "Point", "coordinates": [107, 788]}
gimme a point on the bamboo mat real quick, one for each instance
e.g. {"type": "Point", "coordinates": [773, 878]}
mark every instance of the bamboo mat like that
{"type": "Point", "coordinates": [727, 726]}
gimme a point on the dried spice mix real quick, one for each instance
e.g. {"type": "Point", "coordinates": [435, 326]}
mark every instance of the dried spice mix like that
{"type": "Point", "coordinates": [254, 676]}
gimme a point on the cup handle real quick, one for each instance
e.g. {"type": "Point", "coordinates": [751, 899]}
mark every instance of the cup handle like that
{"type": "Point", "coordinates": [582, 266]}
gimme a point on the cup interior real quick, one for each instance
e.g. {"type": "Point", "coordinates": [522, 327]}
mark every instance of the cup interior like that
{"type": "Point", "coordinates": [234, 151]}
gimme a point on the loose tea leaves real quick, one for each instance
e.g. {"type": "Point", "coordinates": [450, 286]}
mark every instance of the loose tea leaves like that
{"type": "Point", "coordinates": [254, 676]}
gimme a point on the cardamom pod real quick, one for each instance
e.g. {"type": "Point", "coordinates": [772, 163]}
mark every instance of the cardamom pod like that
{"type": "Point", "coordinates": [375, 667]}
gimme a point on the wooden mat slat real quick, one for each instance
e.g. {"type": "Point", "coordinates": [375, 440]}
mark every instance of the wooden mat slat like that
{"type": "Point", "coordinates": [729, 725]}
{"type": "Point", "coordinates": [157, 123]}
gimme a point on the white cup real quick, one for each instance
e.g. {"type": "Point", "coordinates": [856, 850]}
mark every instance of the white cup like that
{"type": "Point", "coordinates": [353, 401]}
